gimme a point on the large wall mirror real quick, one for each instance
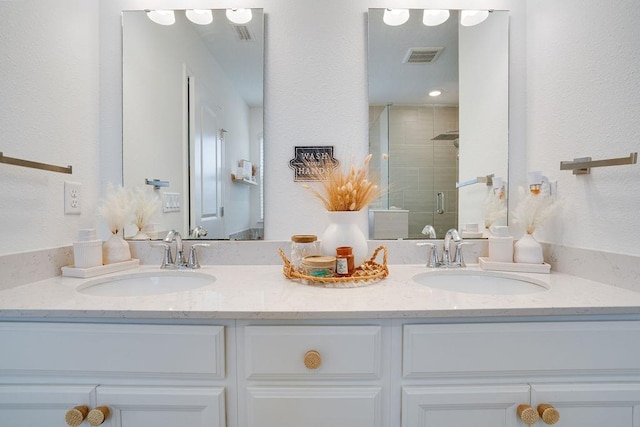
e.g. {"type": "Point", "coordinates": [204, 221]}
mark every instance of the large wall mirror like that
{"type": "Point", "coordinates": [440, 157]}
{"type": "Point", "coordinates": [193, 118]}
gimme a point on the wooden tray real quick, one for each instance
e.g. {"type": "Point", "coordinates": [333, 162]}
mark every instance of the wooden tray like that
{"type": "Point", "coordinates": [367, 274]}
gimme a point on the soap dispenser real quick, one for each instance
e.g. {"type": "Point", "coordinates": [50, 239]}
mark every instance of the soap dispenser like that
{"type": "Point", "coordinates": [500, 244]}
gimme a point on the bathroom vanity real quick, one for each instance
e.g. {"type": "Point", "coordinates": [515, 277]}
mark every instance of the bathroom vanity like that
{"type": "Point", "coordinates": [255, 349]}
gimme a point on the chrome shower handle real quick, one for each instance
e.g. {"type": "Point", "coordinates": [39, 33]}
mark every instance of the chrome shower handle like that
{"type": "Point", "coordinates": [440, 203]}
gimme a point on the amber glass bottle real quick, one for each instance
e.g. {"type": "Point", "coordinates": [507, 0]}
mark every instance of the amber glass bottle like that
{"type": "Point", "coordinates": [344, 261]}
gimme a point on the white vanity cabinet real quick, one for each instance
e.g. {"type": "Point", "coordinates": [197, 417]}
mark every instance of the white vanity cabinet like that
{"type": "Point", "coordinates": [324, 373]}
{"type": "Point", "coordinates": [313, 375]}
{"type": "Point", "coordinates": [479, 374]}
{"type": "Point", "coordinates": [146, 375]}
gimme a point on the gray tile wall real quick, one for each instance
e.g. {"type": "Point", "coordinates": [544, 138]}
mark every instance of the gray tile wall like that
{"type": "Point", "coordinates": [419, 168]}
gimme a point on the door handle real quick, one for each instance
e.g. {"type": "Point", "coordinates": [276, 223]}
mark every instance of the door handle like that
{"type": "Point", "coordinates": [440, 208]}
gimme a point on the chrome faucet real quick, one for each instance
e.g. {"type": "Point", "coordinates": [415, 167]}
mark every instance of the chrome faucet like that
{"type": "Point", "coordinates": [452, 236]}
{"type": "Point", "coordinates": [429, 231]}
{"type": "Point", "coordinates": [198, 232]}
{"type": "Point", "coordinates": [451, 251]}
{"type": "Point", "coordinates": [179, 259]}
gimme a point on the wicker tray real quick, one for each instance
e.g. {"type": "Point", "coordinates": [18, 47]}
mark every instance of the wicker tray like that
{"type": "Point", "coordinates": [367, 274]}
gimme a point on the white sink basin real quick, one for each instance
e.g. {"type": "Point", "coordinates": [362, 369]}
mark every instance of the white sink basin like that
{"type": "Point", "coordinates": [149, 283]}
{"type": "Point", "coordinates": [480, 282]}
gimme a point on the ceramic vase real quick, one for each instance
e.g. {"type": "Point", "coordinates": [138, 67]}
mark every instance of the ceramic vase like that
{"type": "Point", "coordinates": [115, 249]}
{"type": "Point", "coordinates": [528, 250]}
{"type": "Point", "coordinates": [345, 230]}
{"type": "Point", "coordinates": [140, 235]}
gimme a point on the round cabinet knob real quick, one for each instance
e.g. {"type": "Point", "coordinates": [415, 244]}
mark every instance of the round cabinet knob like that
{"type": "Point", "coordinates": [527, 414]}
{"type": "Point", "coordinates": [74, 417]}
{"type": "Point", "coordinates": [98, 415]}
{"type": "Point", "coordinates": [312, 359]}
{"type": "Point", "coordinates": [548, 413]}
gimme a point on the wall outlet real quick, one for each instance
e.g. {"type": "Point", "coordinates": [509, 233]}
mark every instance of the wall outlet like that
{"type": "Point", "coordinates": [72, 198]}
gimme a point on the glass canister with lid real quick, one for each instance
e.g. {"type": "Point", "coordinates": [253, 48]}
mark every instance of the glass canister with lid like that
{"type": "Point", "coordinates": [303, 245]}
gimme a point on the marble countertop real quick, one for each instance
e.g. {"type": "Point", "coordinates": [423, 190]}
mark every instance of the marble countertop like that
{"type": "Point", "coordinates": [262, 292]}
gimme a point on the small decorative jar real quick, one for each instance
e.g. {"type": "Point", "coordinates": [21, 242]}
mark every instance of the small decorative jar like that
{"type": "Point", "coordinates": [344, 261]}
{"type": "Point", "coordinates": [319, 265]}
{"type": "Point", "coordinates": [303, 245]}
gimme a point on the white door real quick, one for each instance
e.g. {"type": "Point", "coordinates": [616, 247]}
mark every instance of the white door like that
{"type": "Point", "coordinates": [463, 406]}
{"type": "Point", "coordinates": [206, 159]}
{"type": "Point", "coordinates": [591, 405]}
{"type": "Point", "coordinates": [163, 406]}
{"type": "Point", "coordinates": [313, 407]}
{"type": "Point", "coordinates": [41, 405]}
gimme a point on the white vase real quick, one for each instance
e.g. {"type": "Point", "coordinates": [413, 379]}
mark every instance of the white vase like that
{"type": "Point", "coordinates": [116, 249]}
{"type": "Point", "coordinates": [345, 230]}
{"type": "Point", "coordinates": [140, 235]}
{"type": "Point", "coordinates": [528, 250]}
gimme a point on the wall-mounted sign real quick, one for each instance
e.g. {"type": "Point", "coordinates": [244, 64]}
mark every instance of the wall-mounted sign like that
{"type": "Point", "coordinates": [313, 163]}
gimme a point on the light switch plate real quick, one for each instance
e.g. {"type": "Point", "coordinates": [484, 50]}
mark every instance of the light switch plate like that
{"type": "Point", "coordinates": [171, 202]}
{"type": "Point", "coordinates": [72, 192]}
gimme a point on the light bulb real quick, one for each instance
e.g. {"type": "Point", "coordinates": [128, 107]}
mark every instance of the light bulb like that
{"type": "Point", "coordinates": [470, 18]}
{"type": "Point", "coordinates": [162, 17]}
{"type": "Point", "coordinates": [239, 16]}
{"type": "Point", "coordinates": [199, 16]}
{"type": "Point", "coordinates": [433, 17]}
{"type": "Point", "coordinates": [395, 17]}
{"type": "Point", "coordinates": [436, 92]}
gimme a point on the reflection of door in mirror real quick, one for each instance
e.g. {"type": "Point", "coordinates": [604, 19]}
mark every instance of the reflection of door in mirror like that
{"type": "Point", "coordinates": [173, 133]}
{"type": "Point", "coordinates": [205, 162]}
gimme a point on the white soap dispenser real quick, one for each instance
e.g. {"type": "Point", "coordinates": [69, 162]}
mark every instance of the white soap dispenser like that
{"type": "Point", "coordinates": [500, 244]}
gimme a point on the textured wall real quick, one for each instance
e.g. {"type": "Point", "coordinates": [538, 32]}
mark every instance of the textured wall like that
{"type": "Point", "coordinates": [583, 100]}
{"type": "Point", "coordinates": [48, 114]}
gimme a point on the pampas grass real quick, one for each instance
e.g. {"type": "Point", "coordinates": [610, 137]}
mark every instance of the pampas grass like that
{"type": "Point", "coordinates": [533, 210]}
{"type": "Point", "coordinates": [145, 206]}
{"type": "Point", "coordinates": [346, 189]}
{"type": "Point", "coordinates": [495, 209]}
{"type": "Point", "coordinates": [115, 208]}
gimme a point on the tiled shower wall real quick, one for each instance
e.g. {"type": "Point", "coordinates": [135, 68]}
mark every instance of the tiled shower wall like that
{"type": "Point", "coordinates": [419, 168]}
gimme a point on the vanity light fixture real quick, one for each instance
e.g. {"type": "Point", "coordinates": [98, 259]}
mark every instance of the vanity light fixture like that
{"type": "Point", "coordinates": [435, 92]}
{"type": "Point", "coordinates": [239, 16]}
{"type": "Point", "coordinates": [469, 18]}
{"type": "Point", "coordinates": [434, 17]}
{"type": "Point", "coordinates": [199, 16]}
{"type": "Point", "coordinates": [162, 17]}
{"type": "Point", "coordinates": [395, 17]}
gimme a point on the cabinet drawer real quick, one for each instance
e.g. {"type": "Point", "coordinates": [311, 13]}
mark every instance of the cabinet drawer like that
{"type": "Point", "coordinates": [112, 350]}
{"type": "Point", "coordinates": [341, 352]}
{"type": "Point", "coordinates": [520, 348]}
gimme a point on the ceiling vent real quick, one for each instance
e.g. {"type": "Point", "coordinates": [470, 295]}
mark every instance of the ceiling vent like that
{"type": "Point", "coordinates": [243, 33]}
{"type": "Point", "coordinates": [422, 55]}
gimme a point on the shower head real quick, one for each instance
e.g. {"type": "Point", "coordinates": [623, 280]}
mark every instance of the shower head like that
{"type": "Point", "coordinates": [449, 136]}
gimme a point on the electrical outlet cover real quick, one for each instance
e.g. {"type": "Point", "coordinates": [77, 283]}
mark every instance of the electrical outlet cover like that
{"type": "Point", "coordinates": [72, 198]}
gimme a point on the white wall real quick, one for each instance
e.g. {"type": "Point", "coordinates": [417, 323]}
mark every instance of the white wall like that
{"type": "Point", "coordinates": [584, 100]}
{"type": "Point", "coordinates": [484, 111]}
{"type": "Point", "coordinates": [48, 114]}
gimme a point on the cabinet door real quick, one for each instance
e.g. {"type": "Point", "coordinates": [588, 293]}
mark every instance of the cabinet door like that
{"type": "Point", "coordinates": [163, 406]}
{"type": "Point", "coordinates": [313, 407]}
{"type": "Point", "coordinates": [591, 405]}
{"type": "Point", "coordinates": [40, 405]}
{"type": "Point", "coordinates": [463, 406]}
